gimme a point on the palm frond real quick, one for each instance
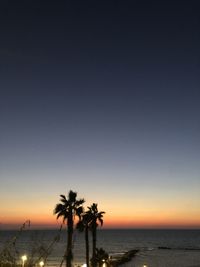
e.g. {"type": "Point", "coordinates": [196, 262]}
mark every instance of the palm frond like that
{"type": "Point", "coordinates": [80, 201]}
{"type": "Point", "coordinates": [59, 207]}
{"type": "Point", "coordinates": [79, 211]}
{"type": "Point", "coordinates": [60, 214]}
{"type": "Point", "coordinates": [101, 221]}
{"type": "Point", "coordinates": [63, 196]}
{"type": "Point", "coordinates": [72, 196]}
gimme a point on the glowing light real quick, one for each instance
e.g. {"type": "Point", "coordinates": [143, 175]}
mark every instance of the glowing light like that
{"type": "Point", "coordinates": [84, 265]}
{"type": "Point", "coordinates": [145, 265]}
{"type": "Point", "coordinates": [41, 263]}
{"type": "Point", "coordinates": [24, 258]}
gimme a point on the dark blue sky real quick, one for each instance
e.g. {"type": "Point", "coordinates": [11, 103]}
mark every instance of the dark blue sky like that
{"type": "Point", "coordinates": [100, 90]}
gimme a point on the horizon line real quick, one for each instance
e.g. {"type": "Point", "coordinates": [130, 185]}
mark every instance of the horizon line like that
{"type": "Point", "coordinates": [48, 228]}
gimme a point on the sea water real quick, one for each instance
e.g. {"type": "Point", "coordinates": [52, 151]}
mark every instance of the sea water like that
{"type": "Point", "coordinates": [157, 248]}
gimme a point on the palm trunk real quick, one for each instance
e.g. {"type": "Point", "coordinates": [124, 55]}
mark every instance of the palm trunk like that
{"type": "Point", "coordinates": [69, 255]}
{"type": "Point", "coordinates": [87, 246]}
{"type": "Point", "coordinates": [94, 263]}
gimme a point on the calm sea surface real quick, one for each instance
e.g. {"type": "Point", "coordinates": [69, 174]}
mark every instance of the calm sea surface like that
{"type": "Point", "coordinates": [184, 245]}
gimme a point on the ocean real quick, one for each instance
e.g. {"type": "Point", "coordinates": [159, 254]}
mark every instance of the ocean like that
{"type": "Point", "coordinates": [158, 248]}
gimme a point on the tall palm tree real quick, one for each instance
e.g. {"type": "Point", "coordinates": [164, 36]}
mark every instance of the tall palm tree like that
{"type": "Point", "coordinates": [96, 218]}
{"type": "Point", "coordinates": [68, 209]}
{"type": "Point", "coordinates": [83, 225]}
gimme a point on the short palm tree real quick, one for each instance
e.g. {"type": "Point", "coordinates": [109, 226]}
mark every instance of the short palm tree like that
{"type": "Point", "coordinates": [68, 209]}
{"type": "Point", "coordinates": [83, 225]}
{"type": "Point", "coordinates": [96, 217]}
{"type": "Point", "coordinates": [102, 257]}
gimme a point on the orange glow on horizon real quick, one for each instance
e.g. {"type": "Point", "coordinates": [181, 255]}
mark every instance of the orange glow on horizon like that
{"type": "Point", "coordinates": [116, 222]}
{"type": "Point", "coordinates": [156, 221]}
{"type": "Point", "coordinates": [146, 213]}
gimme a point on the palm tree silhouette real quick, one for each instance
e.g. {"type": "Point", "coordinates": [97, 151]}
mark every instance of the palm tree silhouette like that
{"type": "Point", "coordinates": [68, 209]}
{"type": "Point", "coordinates": [102, 257]}
{"type": "Point", "coordinates": [83, 225]}
{"type": "Point", "coordinates": [96, 217]}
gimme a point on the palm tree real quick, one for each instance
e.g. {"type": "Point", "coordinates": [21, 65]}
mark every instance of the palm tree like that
{"type": "Point", "coordinates": [95, 218]}
{"type": "Point", "coordinates": [83, 225]}
{"type": "Point", "coordinates": [68, 209]}
{"type": "Point", "coordinates": [102, 257]}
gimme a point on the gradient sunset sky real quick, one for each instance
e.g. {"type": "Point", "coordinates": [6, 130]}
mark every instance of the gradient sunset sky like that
{"type": "Point", "coordinates": [101, 97]}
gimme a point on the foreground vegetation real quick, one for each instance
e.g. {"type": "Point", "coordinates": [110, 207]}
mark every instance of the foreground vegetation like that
{"type": "Point", "coordinates": [68, 209]}
{"type": "Point", "coordinates": [74, 216]}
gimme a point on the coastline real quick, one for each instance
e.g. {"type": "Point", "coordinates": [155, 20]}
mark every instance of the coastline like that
{"type": "Point", "coordinates": [171, 248]}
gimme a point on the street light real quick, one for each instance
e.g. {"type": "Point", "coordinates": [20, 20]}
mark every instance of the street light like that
{"type": "Point", "coordinates": [41, 263]}
{"type": "Point", "coordinates": [24, 258]}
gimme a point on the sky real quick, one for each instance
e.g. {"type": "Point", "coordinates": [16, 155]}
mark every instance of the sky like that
{"type": "Point", "coordinates": [101, 97]}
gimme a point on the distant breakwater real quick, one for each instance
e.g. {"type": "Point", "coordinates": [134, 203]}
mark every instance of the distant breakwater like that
{"type": "Point", "coordinates": [169, 248]}
{"type": "Point", "coordinates": [126, 257]}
